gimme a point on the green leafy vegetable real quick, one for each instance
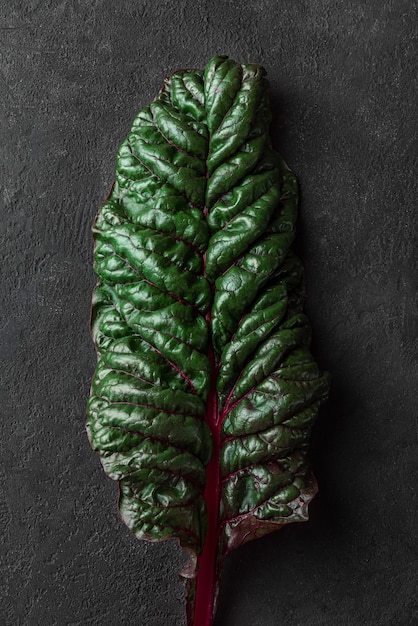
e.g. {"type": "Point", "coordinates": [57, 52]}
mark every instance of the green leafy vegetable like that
{"type": "Point", "coordinates": [205, 391]}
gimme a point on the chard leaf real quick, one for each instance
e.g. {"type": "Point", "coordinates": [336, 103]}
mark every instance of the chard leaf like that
{"type": "Point", "coordinates": [205, 390]}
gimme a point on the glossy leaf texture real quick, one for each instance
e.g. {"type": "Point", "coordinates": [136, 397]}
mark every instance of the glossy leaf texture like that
{"type": "Point", "coordinates": [205, 390]}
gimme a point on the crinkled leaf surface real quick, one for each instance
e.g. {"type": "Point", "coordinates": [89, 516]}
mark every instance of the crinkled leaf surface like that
{"type": "Point", "coordinates": [205, 390]}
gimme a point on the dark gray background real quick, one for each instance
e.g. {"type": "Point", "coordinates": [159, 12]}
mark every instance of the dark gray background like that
{"type": "Point", "coordinates": [74, 74]}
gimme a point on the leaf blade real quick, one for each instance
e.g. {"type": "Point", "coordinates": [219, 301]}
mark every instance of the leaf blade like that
{"type": "Point", "coordinates": [205, 391]}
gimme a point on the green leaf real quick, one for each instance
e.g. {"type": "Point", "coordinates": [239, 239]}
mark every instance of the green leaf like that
{"type": "Point", "coordinates": [205, 390]}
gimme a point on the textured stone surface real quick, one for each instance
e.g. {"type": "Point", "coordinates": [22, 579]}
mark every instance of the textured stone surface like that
{"type": "Point", "coordinates": [343, 79]}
